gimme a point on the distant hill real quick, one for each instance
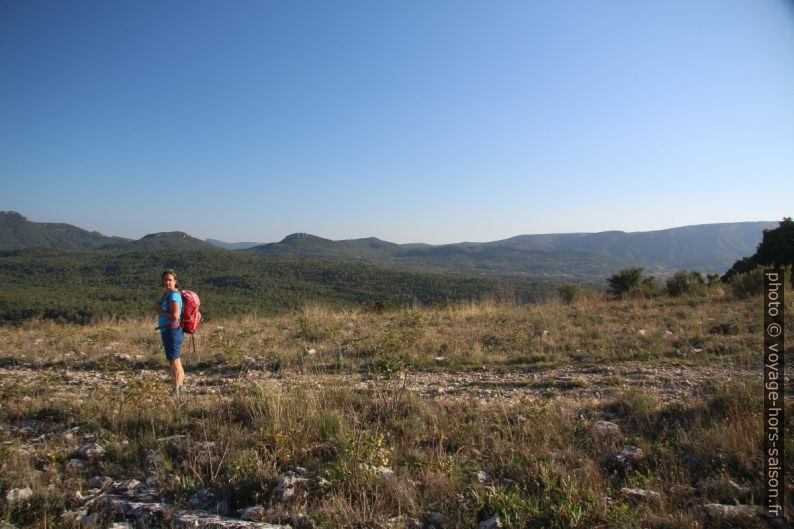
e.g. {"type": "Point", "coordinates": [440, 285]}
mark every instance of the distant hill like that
{"type": "Point", "coordinates": [306, 246]}
{"type": "Point", "coordinates": [168, 241]}
{"type": "Point", "coordinates": [17, 232]}
{"type": "Point", "coordinates": [708, 248]}
{"type": "Point", "coordinates": [232, 245]}
{"type": "Point", "coordinates": [584, 257]}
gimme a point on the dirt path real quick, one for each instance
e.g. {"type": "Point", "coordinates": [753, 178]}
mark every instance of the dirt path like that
{"type": "Point", "coordinates": [669, 382]}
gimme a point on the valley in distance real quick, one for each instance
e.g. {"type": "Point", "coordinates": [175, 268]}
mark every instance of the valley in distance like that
{"type": "Point", "coordinates": [538, 382]}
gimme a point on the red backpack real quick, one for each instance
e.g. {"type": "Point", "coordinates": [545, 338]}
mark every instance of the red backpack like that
{"type": "Point", "coordinates": [191, 317]}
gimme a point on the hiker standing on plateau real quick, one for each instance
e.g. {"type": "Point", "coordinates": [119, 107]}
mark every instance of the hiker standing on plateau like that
{"type": "Point", "coordinates": [169, 312]}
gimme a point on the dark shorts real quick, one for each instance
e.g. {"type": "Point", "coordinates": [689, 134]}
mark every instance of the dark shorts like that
{"type": "Point", "coordinates": [172, 342]}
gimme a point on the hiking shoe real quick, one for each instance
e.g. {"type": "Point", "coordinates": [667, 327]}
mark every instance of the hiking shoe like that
{"type": "Point", "coordinates": [180, 390]}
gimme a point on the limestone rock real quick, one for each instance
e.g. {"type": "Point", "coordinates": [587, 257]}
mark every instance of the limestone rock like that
{"type": "Point", "coordinates": [435, 520]}
{"type": "Point", "coordinates": [404, 522]}
{"type": "Point", "coordinates": [383, 472]}
{"type": "Point", "coordinates": [156, 514]}
{"type": "Point", "coordinates": [126, 487]}
{"type": "Point", "coordinates": [638, 496]}
{"type": "Point", "coordinates": [91, 451]}
{"type": "Point", "coordinates": [606, 429]}
{"type": "Point", "coordinates": [211, 521]}
{"type": "Point", "coordinates": [682, 491]}
{"type": "Point", "coordinates": [509, 484]}
{"type": "Point", "coordinates": [17, 495]}
{"type": "Point", "coordinates": [730, 514]}
{"type": "Point", "coordinates": [75, 465]}
{"type": "Point", "coordinates": [287, 486]}
{"type": "Point", "coordinates": [657, 521]}
{"type": "Point", "coordinates": [207, 500]}
{"type": "Point", "coordinates": [482, 476]}
{"type": "Point", "coordinates": [151, 513]}
{"type": "Point", "coordinates": [250, 363]}
{"type": "Point", "coordinates": [93, 519]}
{"type": "Point", "coordinates": [255, 513]}
{"type": "Point", "coordinates": [491, 523]}
{"type": "Point", "coordinates": [627, 458]}
{"type": "Point", "coordinates": [100, 482]}
{"type": "Point", "coordinates": [301, 521]}
{"type": "Point", "coordinates": [729, 487]}
{"type": "Point", "coordinates": [70, 518]}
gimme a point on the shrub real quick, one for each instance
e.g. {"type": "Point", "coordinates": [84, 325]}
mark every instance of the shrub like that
{"type": "Point", "coordinates": [625, 281]}
{"type": "Point", "coordinates": [569, 292]}
{"type": "Point", "coordinates": [630, 281]}
{"type": "Point", "coordinates": [686, 282]}
{"type": "Point", "coordinates": [752, 283]}
{"type": "Point", "coordinates": [776, 247]}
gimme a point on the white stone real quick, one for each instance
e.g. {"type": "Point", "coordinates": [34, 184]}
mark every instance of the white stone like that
{"type": "Point", "coordinates": [606, 429]}
{"type": "Point", "coordinates": [730, 513]}
{"type": "Point", "coordinates": [482, 476]}
{"type": "Point", "coordinates": [491, 523]}
{"type": "Point", "coordinates": [17, 495]}
{"type": "Point", "coordinates": [91, 451]}
{"type": "Point", "coordinates": [640, 495]}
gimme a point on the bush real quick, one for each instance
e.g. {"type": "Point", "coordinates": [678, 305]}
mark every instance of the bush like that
{"type": "Point", "coordinates": [776, 248]}
{"type": "Point", "coordinates": [569, 292]}
{"type": "Point", "coordinates": [752, 283]}
{"type": "Point", "coordinates": [686, 282]}
{"type": "Point", "coordinates": [630, 281]}
{"type": "Point", "coordinates": [625, 281]}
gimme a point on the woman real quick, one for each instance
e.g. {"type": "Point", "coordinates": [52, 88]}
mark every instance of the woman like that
{"type": "Point", "coordinates": [169, 311]}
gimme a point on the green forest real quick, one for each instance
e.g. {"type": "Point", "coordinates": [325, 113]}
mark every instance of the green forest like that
{"type": "Point", "coordinates": [90, 285]}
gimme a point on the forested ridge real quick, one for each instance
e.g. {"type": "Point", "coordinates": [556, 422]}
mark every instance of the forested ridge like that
{"type": "Point", "coordinates": [83, 286]}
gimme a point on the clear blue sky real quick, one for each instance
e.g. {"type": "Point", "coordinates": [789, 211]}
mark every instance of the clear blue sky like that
{"type": "Point", "coordinates": [412, 121]}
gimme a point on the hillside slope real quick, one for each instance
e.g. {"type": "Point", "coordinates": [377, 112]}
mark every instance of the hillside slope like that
{"type": "Point", "coordinates": [711, 248]}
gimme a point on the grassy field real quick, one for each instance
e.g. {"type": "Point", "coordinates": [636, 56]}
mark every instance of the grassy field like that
{"type": "Point", "coordinates": [600, 413]}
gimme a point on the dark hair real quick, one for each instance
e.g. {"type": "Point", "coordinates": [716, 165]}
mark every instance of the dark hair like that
{"type": "Point", "coordinates": [167, 272]}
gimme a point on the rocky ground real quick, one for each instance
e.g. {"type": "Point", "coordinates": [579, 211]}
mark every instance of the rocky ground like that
{"type": "Point", "coordinates": [668, 382]}
{"type": "Point", "coordinates": [140, 504]}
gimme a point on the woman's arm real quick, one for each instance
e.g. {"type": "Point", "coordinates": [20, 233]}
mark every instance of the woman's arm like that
{"type": "Point", "coordinates": [174, 314]}
{"type": "Point", "coordinates": [173, 308]}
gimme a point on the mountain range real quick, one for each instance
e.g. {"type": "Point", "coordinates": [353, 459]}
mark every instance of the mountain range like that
{"type": "Point", "coordinates": [588, 257]}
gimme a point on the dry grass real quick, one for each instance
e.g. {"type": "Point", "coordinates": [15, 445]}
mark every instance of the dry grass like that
{"type": "Point", "coordinates": [545, 465]}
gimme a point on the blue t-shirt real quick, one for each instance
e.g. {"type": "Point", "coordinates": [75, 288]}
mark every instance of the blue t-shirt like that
{"type": "Point", "coordinates": [162, 321]}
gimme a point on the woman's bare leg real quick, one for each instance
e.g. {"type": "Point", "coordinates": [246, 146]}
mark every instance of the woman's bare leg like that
{"type": "Point", "coordinates": [177, 373]}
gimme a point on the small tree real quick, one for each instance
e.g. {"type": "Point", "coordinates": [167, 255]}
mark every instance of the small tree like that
{"type": "Point", "coordinates": [751, 283]}
{"type": "Point", "coordinates": [685, 282]}
{"type": "Point", "coordinates": [569, 292]}
{"type": "Point", "coordinates": [776, 249]}
{"type": "Point", "coordinates": [625, 281]}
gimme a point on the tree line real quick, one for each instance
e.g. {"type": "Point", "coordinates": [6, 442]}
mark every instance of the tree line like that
{"type": "Point", "coordinates": [83, 286]}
